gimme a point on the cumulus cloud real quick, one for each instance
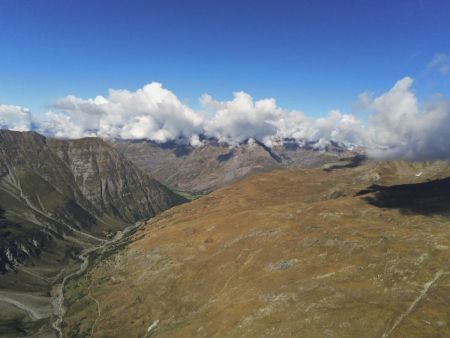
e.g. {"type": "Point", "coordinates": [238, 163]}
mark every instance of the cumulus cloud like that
{"type": "Point", "coordinates": [363, 102]}
{"type": "Point", "coordinates": [397, 127]}
{"type": "Point", "coordinates": [151, 112]}
{"type": "Point", "coordinates": [441, 63]}
{"type": "Point", "coordinates": [15, 118]}
{"type": "Point", "coordinates": [241, 118]}
{"type": "Point", "coordinates": [336, 126]}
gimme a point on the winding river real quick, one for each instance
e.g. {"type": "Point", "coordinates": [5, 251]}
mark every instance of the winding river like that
{"type": "Point", "coordinates": [58, 300]}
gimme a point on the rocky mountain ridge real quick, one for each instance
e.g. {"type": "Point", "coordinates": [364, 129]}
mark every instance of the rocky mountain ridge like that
{"type": "Point", "coordinates": [212, 164]}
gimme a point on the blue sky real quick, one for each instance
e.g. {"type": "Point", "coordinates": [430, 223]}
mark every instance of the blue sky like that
{"type": "Point", "coordinates": [309, 55]}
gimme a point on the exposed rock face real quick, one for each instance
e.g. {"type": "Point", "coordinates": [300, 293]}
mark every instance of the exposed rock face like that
{"type": "Point", "coordinates": [214, 164]}
{"type": "Point", "coordinates": [55, 189]}
{"type": "Point", "coordinates": [110, 182]}
{"type": "Point", "coordinates": [14, 249]}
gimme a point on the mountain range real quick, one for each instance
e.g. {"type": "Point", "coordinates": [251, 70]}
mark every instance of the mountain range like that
{"type": "Point", "coordinates": [212, 164]}
{"type": "Point", "coordinates": [102, 238]}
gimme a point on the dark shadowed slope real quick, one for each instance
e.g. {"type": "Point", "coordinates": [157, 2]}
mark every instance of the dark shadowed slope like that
{"type": "Point", "coordinates": [425, 198]}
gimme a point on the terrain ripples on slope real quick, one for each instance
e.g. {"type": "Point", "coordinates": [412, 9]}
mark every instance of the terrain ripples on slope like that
{"type": "Point", "coordinates": [291, 253]}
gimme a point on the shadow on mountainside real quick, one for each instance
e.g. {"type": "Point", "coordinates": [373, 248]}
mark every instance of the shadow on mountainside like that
{"type": "Point", "coordinates": [345, 163]}
{"type": "Point", "coordinates": [225, 157]}
{"type": "Point", "coordinates": [428, 198]}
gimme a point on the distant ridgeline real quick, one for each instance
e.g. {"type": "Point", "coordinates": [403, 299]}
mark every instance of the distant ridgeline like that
{"type": "Point", "coordinates": [211, 163]}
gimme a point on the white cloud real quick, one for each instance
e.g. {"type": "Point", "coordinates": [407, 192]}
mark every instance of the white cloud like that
{"type": "Point", "coordinates": [363, 102]}
{"type": "Point", "coordinates": [195, 141]}
{"type": "Point", "coordinates": [241, 118]}
{"type": "Point", "coordinates": [15, 118]}
{"type": "Point", "coordinates": [441, 63]}
{"type": "Point", "coordinates": [393, 113]}
{"type": "Point", "coordinates": [151, 112]}
{"type": "Point", "coordinates": [397, 127]}
{"type": "Point", "coordinates": [335, 126]}
{"type": "Point", "coordinates": [62, 125]}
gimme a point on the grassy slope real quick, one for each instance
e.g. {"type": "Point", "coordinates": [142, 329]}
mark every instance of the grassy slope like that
{"type": "Point", "coordinates": [291, 253]}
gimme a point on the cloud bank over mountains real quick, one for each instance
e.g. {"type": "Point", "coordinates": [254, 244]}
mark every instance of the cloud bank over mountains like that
{"type": "Point", "coordinates": [396, 128]}
{"type": "Point", "coordinates": [15, 118]}
{"type": "Point", "coordinates": [151, 112]}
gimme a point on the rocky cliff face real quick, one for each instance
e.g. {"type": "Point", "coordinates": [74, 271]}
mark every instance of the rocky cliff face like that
{"type": "Point", "coordinates": [112, 183]}
{"type": "Point", "coordinates": [75, 190]}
